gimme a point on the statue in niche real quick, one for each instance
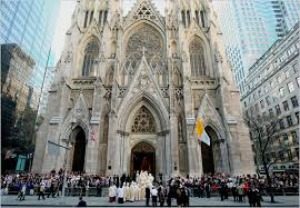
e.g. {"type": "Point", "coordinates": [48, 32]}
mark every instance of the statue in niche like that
{"type": "Point", "coordinates": [68, 57]}
{"type": "Point", "coordinates": [176, 77]}
{"type": "Point", "coordinates": [110, 76]}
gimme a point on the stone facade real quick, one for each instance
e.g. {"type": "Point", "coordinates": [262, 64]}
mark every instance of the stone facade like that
{"type": "Point", "coordinates": [137, 83]}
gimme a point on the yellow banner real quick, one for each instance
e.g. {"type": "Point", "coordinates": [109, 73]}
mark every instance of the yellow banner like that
{"type": "Point", "coordinates": [199, 127]}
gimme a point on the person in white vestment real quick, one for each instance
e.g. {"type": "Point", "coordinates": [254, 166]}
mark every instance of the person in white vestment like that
{"type": "Point", "coordinates": [112, 193]}
{"type": "Point", "coordinates": [126, 192]}
{"type": "Point", "coordinates": [121, 195]}
{"type": "Point", "coordinates": [131, 191]}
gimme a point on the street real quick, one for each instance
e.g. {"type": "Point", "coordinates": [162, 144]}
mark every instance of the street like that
{"type": "Point", "coordinates": [31, 201]}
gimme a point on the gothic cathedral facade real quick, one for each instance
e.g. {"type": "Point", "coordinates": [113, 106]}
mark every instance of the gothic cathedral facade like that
{"type": "Point", "coordinates": [129, 89]}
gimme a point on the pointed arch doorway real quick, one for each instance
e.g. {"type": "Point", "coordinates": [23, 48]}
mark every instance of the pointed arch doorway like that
{"type": "Point", "coordinates": [78, 150]}
{"type": "Point", "coordinates": [142, 158]}
{"type": "Point", "coordinates": [211, 155]}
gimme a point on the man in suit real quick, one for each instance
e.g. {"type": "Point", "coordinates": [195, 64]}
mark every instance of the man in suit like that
{"type": "Point", "coordinates": [81, 202]}
{"type": "Point", "coordinates": [147, 195]}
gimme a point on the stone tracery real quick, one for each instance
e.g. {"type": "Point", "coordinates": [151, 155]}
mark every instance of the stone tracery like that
{"type": "Point", "coordinates": [197, 59]}
{"type": "Point", "coordinates": [145, 37]}
{"type": "Point", "coordinates": [91, 54]}
{"type": "Point", "coordinates": [143, 122]}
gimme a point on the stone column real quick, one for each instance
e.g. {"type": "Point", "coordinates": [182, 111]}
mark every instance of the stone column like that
{"type": "Point", "coordinates": [92, 151]}
{"type": "Point", "coordinates": [168, 159]}
{"type": "Point", "coordinates": [225, 156]}
{"type": "Point", "coordinates": [174, 146]}
{"type": "Point", "coordinates": [125, 152]}
{"type": "Point", "coordinates": [159, 155]}
{"type": "Point", "coordinates": [114, 148]}
{"type": "Point", "coordinates": [194, 152]}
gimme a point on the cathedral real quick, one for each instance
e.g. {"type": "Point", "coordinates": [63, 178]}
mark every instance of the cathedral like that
{"type": "Point", "coordinates": [129, 88]}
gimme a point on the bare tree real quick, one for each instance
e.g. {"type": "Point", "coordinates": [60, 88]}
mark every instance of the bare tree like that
{"type": "Point", "coordinates": [264, 132]}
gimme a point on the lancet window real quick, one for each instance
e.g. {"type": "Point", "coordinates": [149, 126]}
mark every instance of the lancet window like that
{"type": "Point", "coordinates": [197, 59]}
{"type": "Point", "coordinates": [91, 54]}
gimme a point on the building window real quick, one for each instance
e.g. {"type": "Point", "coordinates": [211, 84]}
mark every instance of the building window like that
{"type": "Point", "coordinates": [297, 152]}
{"type": "Point", "coordinates": [295, 102]}
{"type": "Point", "coordinates": [285, 106]}
{"type": "Point", "coordinates": [278, 111]}
{"type": "Point", "coordinates": [91, 16]}
{"type": "Point", "coordinates": [271, 112]}
{"type": "Point", "coordinates": [279, 79]}
{"type": "Point", "coordinates": [281, 92]}
{"type": "Point", "coordinates": [197, 59]}
{"type": "Point", "coordinates": [291, 86]}
{"type": "Point", "coordinates": [281, 123]}
{"type": "Point", "coordinates": [297, 117]}
{"type": "Point", "coordinates": [202, 15]}
{"type": "Point", "coordinates": [295, 67]}
{"type": "Point", "coordinates": [298, 81]}
{"type": "Point", "coordinates": [86, 18]}
{"type": "Point", "coordinates": [188, 18]}
{"type": "Point", "coordinates": [289, 120]}
{"type": "Point", "coordinates": [287, 74]}
{"type": "Point", "coordinates": [100, 17]}
{"type": "Point", "coordinates": [262, 104]}
{"type": "Point", "coordinates": [90, 56]}
{"type": "Point", "coordinates": [183, 18]}
{"type": "Point", "coordinates": [294, 137]}
{"type": "Point", "coordinates": [256, 107]}
{"type": "Point", "coordinates": [281, 155]}
{"type": "Point", "coordinates": [290, 156]}
{"type": "Point", "coordinates": [105, 16]}
{"type": "Point", "coordinates": [268, 100]}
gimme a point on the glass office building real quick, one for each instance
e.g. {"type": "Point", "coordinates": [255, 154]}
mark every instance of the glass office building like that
{"type": "Point", "coordinates": [30, 24]}
{"type": "Point", "coordinates": [251, 27]}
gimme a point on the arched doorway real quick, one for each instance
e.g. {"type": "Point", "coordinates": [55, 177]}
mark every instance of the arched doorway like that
{"type": "Point", "coordinates": [78, 149]}
{"type": "Point", "coordinates": [142, 158]}
{"type": "Point", "coordinates": [207, 159]}
{"type": "Point", "coordinates": [210, 154]}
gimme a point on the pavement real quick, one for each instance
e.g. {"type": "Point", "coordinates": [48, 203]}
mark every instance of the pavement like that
{"type": "Point", "coordinates": [31, 201]}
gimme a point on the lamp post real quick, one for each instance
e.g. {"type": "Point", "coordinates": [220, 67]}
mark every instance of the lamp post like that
{"type": "Point", "coordinates": [65, 167]}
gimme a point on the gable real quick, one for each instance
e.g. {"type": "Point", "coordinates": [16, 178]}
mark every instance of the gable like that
{"type": "Point", "coordinates": [144, 10]}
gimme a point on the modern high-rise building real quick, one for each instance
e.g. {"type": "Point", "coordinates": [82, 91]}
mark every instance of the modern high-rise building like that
{"type": "Point", "coordinates": [251, 27]}
{"type": "Point", "coordinates": [272, 91]}
{"type": "Point", "coordinates": [30, 24]}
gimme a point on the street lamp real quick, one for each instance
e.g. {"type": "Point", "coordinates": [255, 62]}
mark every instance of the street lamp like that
{"type": "Point", "coordinates": [67, 148]}
{"type": "Point", "coordinates": [65, 167]}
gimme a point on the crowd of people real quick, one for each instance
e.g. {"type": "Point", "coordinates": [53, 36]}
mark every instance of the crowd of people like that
{"type": "Point", "coordinates": [160, 192]}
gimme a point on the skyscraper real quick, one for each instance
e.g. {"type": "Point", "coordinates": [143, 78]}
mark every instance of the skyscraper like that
{"type": "Point", "coordinates": [250, 28]}
{"type": "Point", "coordinates": [30, 24]}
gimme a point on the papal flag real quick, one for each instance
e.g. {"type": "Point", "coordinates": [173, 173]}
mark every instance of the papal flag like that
{"type": "Point", "coordinates": [200, 131]}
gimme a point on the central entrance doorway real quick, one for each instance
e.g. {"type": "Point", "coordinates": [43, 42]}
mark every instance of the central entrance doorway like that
{"type": "Point", "coordinates": [142, 158]}
{"type": "Point", "coordinates": [79, 150]}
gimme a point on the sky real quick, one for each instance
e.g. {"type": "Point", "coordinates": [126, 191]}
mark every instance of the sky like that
{"type": "Point", "coordinates": [64, 22]}
{"type": "Point", "coordinates": [62, 25]}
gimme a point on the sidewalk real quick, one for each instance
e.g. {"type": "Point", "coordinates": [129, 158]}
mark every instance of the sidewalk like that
{"type": "Point", "coordinates": [31, 201]}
